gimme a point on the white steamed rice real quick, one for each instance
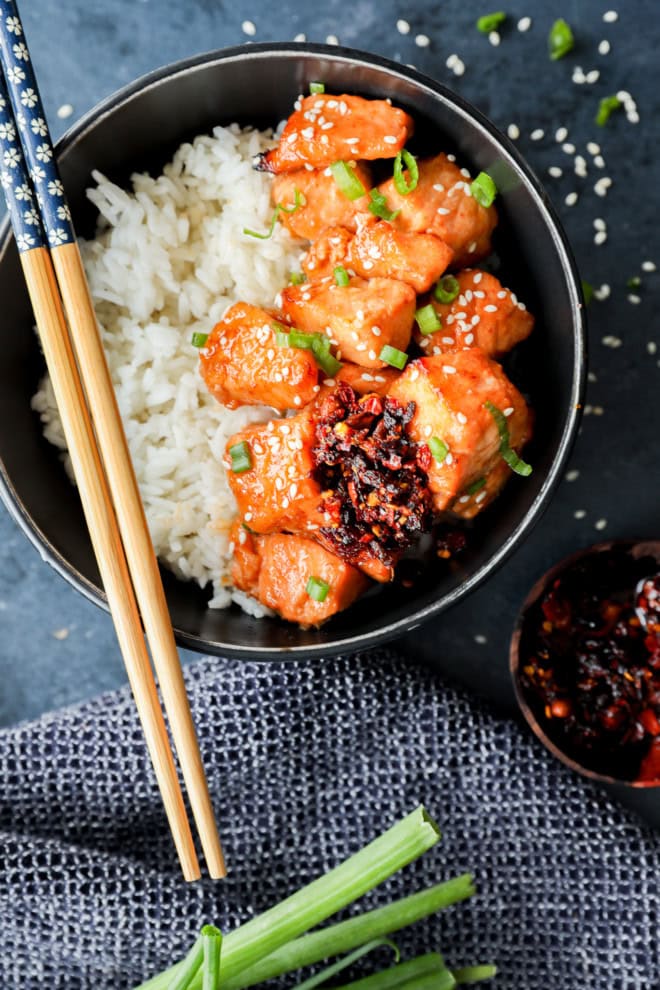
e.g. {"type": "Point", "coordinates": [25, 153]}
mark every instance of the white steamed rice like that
{"type": "Point", "coordinates": [168, 260]}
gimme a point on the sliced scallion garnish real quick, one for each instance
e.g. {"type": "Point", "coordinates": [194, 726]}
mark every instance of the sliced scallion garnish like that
{"type": "Point", "coordinates": [347, 180]}
{"type": "Point", "coordinates": [341, 276]}
{"type": "Point", "coordinates": [475, 487]}
{"type": "Point", "coordinates": [491, 22]}
{"type": "Point", "coordinates": [298, 201]}
{"type": "Point", "coordinates": [447, 289]}
{"type": "Point", "coordinates": [241, 458]}
{"type": "Point", "coordinates": [439, 449]}
{"type": "Point", "coordinates": [317, 589]}
{"type": "Point", "coordinates": [428, 320]}
{"type": "Point", "coordinates": [402, 186]}
{"type": "Point", "coordinates": [199, 339]}
{"type": "Point", "coordinates": [474, 974]}
{"type": "Point", "coordinates": [560, 39]}
{"type": "Point", "coordinates": [606, 108]}
{"type": "Point", "coordinates": [390, 355]}
{"type": "Point", "coordinates": [378, 206]}
{"type": "Point", "coordinates": [297, 278]}
{"type": "Point", "coordinates": [484, 189]}
{"type": "Point", "coordinates": [315, 88]}
{"type": "Point", "coordinates": [508, 453]}
{"type": "Point", "coordinates": [325, 360]}
{"type": "Point", "coordinates": [587, 292]}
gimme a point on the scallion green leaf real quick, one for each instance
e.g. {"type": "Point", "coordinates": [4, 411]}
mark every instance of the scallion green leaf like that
{"type": "Point", "coordinates": [390, 355]}
{"type": "Point", "coordinates": [606, 108]}
{"type": "Point", "coordinates": [475, 487]}
{"type": "Point", "coordinates": [474, 974]}
{"type": "Point", "coordinates": [507, 452]}
{"type": "Point", "coordinates": [341, 276]}
{"type": "Point", "coordinates": [349, 184]}
{"type": "Point", "coordinates": [348, 960]}
{"type": "Point", "coordinates": [378, 206]}
{"type": "Point", "coordinates": [282, 338]}
{"type": "Point", "coordinates": [634, 283]}
{"type": "Point", "coordinates": [587, 292]}
{"type": "Point", "coordinates": [439, 449]}
{"type": "Point", "coordinates": [212, 947]}
{"type": "Point", "coordinates": [315, 88]}
{"type": "Point", "coordinates": [241, 457]}
{"type": "Point", "coordinates": [297, 278]}
{"type": "Point", "coordinates": [188, 968]}
{"type": "Point", "coordinates": [325, 360]}
{"type": "Point", "coordinates": [491, 22]}
{"type": "Point", "coordinates": [560, 39]}
{"type": "Point", "coordinates": [402, 186]}
{"type": "Point", "coordinates": [199, 339]}
{"type": "Point", "coordinates": [483, 189]}
{"type": "Point", "coordinates": [317, 589]}
{"type": "Point", "coordinates": [298, 201]}
{"type": "Point", "coordinates": [300, 339]}
{"type": "Point", "coordinates": [447, 289]}
{"type": "Point", "coordinates": [428, 320]}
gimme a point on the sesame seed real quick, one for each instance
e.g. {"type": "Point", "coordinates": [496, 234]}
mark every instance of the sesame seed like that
{"type": "Point", "coordinates": [494, 38]}
{"type": "Point", "coordinates": [579, 513]}
{"type": "Point", "coordinates": [602, 185]}
{"type": "Point", "coordinates": [604, 47]}
{"type": "Point", "coordinates": [403, 27]}
{"type": "Point", "coordinates": [469, 339]}
{"type": "Point", "coordinates": [458, 69]}
{"type": "Point", "coordinates": [592, 377]}
{"type": "Point", "coordinates": [372, 355]}
{"type": "Point", "coordinates": [443, 211]}
{"type": "Point", "coordinates": [481, 640]}
{"type": "Point", "coordinates": [248, 516]}
{"type": "Point", "coordinates": [449, 369]}
{"type": "Point", "coordinates": [461, 417]}
{"type": "Point", "coordinates": [64, 111]}
{"type": "Point", "coordinates": [428, 430]}
{"type": "Point", "coordinates": [599, 224]}
{"type": "Point", "coordinates": [599, 161]}
{"type": "Point", "coordinates": [524, 24]}
{"type": "Point", "coordinates": [571, 199]}
{"type": "Point", "coordinates": [652, 347]}
{"type": "Point", "coordinates": [332, 39]}
{"type": "Point", "coordinates": [600, 237]}
{"type": "Point", "coordinates": [580, 166]}
{"type": "Point", "coordinates": [481, 496]}
{"type": "Point", "coordinates": [448, 340]}
{"type": "Point", "coordinates": [472, 247]}
{"type": "Point", "coordinates": [389, 139]}
{"type": "Point", "coordinates": [249, 27]}
{"type": "Point", "coordinates": [610, 16]}
{"type": "Point", "coordinates": [477, 278]}
{"type": "Point", "coordinates": [611, 341]}
{"type": "Point", "coordinates": [438, 186]}
{"type": "Point", "coordinates": [300, 37]}
{"type": "Point", "coordinates": [568, 148]}
{"type": "Point", "coordinates": [513, 132]}
{"type": "Point", "coordinates": [297, 400]}
{"type": "Point", "coordinates": [593, 76]}
{"type": "Point", "coordinates": [490, 308]}
{"type": "Point", "coordinates": [648, 266]}
{"type": "Point", "coordinates": [600, 524]}
{"type": "Point", "coordinates": [555, 171]}
{"type": "Point", "coordinates": [451, 61]}
{"type": "Point", "coordinates": [422, 40]}
{"type": "Point", "coordinates": [561, 134]}
{"type": "Point", "coordinates": [376, 331]}
{"type": "Point", "coordinates": [593, 148]}
{"type": "Point", "coordinates": [538, 134]}
{"type": "Point", "coordinates": [578, 76]}
{"type": "Point", "coordinates": [508, 411]}
{"type": "Point", "coordinates": [572, 475]}
{"type": "Point", "coordinates": [634, 299]}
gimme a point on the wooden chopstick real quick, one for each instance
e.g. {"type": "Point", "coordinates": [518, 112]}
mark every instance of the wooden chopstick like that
{"type": "Point", "coordinates": [102, 405]}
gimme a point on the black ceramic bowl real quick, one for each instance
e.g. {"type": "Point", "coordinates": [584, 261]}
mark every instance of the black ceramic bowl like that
{"type": "Point", "coordinates": [140, 128]}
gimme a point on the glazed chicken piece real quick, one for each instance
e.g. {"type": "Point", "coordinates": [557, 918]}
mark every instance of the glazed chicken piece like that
{"type": "Point", "coordinates": [450, 392]}
{"type": "Point", "coordinates": [484, 314]}
{"type": "Point", "coordinates": [379, 250]}
{"type": "Point", "coordinates": [323, 203]}
{"type": "Point", "coordinates": [278, 490]}
{"type": "Point", "coordinates": [442, 204]}
{"type": "Point", "coordinates": [325, 129]}
{"type": "Point", "coordinates": [242, 364]}
{"type": "Point", "coordinates": [359, 318]}
{"type": "Point", "coordinates": [278, 570]}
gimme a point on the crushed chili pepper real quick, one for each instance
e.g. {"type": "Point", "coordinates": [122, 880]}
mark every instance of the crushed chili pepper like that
{"type": "Point", "coordinates": [374, 477]}
{"type": "Point", "coordinates": [590, 663]}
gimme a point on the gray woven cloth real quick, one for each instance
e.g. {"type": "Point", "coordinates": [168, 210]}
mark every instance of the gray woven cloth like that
{"type": "Point", "coordinates": [307, 762]}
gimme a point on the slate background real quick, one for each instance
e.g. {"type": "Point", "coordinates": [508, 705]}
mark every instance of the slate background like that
{"type": "Point", "coordinates": [55, 647]}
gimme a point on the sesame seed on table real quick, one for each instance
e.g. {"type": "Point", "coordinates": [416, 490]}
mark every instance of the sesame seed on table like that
{"type": "Point", "coordinates": [602, 180]}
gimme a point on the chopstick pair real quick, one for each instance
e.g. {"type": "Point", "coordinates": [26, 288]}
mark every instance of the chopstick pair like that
{"type": "Point", "coordinates": [64, 313]}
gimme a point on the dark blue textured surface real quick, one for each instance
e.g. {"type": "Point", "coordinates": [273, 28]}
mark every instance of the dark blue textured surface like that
{"type": "Point", "coordinates": [55, 646]}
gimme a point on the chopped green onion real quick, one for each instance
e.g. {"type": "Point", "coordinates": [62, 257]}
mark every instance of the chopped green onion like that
{"type": "Point", "coordinates": [378, 206]}
{"type": "Point", "coordinates": [186, 971]}
{"type": "Point", "coordinates": [491, 22]}
{"type": "Point", "coordinates": [331, 971]}
{"type": "Point", "coordinates": [484, 189]}
{"type": "Point", "coordinates": [316, 87]}
{"type": "Point", "coordinates": [429, 967]}
{"type": "Point", "coordinates": [241, 458]}
{"type": "Point", "coordinates": [428, 320]}
{"type": "Point", "coordinates": [348, 182]}
{"type": "Point", "coordinates": [439, 449]}
{"type": "Point", "coordinates": [317, 343]}
{"type": "Point", "coordinates": [301, 340]}
{"type": "Point", "coordinates": [634, 283]}
{"type": "Point", "coordinates": [212, 946]}
{"type": "Point", "coordinates": [474, 974]}
{"type": "Point", "coordinates": [248, 529]}
{"type": "Point", "coordinates": [341, 276]}
{"type": "Point", "coordinates": [392, 356]}
{"type": "Point", "coordinates": [199, 339]}
{"type": "Point", "coordinates": [282, 338]}
{"type": "Point", "coordinates": [447, 289]}
{"type": "Point", "coordinates": [326, 362]}
{"type": "Point", "coordinates": [560, 39]}
{"type": "Point", "coordinates": [317, 589]}
{"type": "Point", "coordinates": [297, 278]}
{"type": "Point", "coordinates": [475, 487]}
{"type": "Point", "coordinates": [402, 186]}
{"type": "Point", "coordinates": [298, 201]}
{"type": "Point", "coordinates": [587, 292]}
{"type": "Point", "coordinates": [508, 454]}
{"type": "Point", "coordinates": [606, 108]}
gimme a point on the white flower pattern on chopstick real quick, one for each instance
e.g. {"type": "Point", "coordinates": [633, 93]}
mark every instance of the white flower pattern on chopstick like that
{"type": "Point", "coordinates": [14, 26]}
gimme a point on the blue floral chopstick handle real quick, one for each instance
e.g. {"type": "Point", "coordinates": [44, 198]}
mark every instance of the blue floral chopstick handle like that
{"type": "Point", "coordinates": [15, 181]}
{"type": "Point", "coordinates": [27, 127]}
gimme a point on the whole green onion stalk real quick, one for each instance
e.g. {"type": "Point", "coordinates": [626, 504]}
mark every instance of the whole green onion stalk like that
{"type": "Point", "coordinates": [263, 935]}
{"type": "Point", "coordinates": [345, 962]}
{"type": "Point", "coordinates": [430, 967]}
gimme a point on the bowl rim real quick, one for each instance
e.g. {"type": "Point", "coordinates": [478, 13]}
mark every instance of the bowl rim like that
{"type": "Point", "coordinates": [438, 91]}
{"type": "Point", "coordinates": [535, 725]}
